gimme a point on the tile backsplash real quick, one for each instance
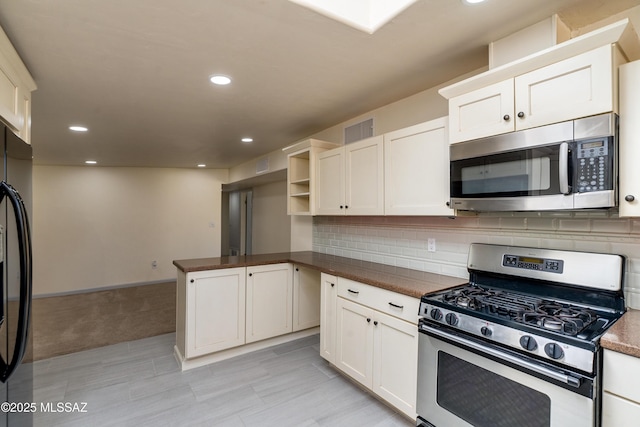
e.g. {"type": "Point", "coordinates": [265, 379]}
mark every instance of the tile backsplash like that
{"type": "Point", "coordinates": [402, 241]}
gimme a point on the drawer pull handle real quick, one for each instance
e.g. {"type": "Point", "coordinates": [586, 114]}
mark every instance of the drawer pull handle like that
{"type": "Point", "coordinates": [396, 305]}
{"type": "Point", "coordinates": [353, 292]}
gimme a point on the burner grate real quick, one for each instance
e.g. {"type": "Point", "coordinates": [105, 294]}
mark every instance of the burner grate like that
{"type": "Point", "coordinates": [566, 319]}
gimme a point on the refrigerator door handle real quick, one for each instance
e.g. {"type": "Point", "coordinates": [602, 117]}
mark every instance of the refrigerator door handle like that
{"type": "Point", "coordinates": [24, 247]}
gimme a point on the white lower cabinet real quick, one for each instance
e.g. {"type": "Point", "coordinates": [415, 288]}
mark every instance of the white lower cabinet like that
{"type": "Point", "coordinates": [306, 298]}
{"type": "Point", "coordinates": [621, 396]}
{"type": "Point", "coordinates": [328, 299]}
{"type": "Point", "coordinates": [269, 301]}
{"type": "Point", "coordinates": [215, 311]}
{"type": "Point", "coordinates": [376, 349]}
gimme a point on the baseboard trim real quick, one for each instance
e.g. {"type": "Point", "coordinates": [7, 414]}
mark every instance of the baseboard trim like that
{"type": "Point", "coordinates": [187, 364]}
{"type": "Point", "coordinates": [103, 288]}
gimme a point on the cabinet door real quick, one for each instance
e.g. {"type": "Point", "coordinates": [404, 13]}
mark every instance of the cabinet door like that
{"type": "Point", "coordinates": [269, 301]}
{"type": "Point", "coordinates": [483, 112]}
{"type": "Point", "coordinates": [395, 362]}
{"type": "Point", "coordinates": [576, 87]}
{"type": "Point", "coordinates": [364, 181]}
{"type": "Point", "coordinates": [215, 311]}
{"type": "Point", "coordinates": [306, 298]}
{"type": "Point", "coordinates": [330, 182]}
{"type": "Point", "coordinates": [416, 170]}
{"type": "Point", "coordinates": [328, 316]}
{"type": "Point", "coordinates": [629, 139]}
{"type": "Point", "coordinates": [354, 341]}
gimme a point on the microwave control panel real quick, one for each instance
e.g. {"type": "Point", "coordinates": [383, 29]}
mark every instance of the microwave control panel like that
{"type": "Point", "coordinates": [593, 166]}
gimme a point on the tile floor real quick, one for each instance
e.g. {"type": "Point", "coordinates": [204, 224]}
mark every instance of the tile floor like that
{"type": "Point", "coordinates": [139, 383]}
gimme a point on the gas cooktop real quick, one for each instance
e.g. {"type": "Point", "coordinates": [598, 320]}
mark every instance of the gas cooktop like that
{"type": "Point", "coordinates": [547, 304]}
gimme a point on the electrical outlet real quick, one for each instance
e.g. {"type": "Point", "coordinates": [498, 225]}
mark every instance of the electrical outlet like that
{"type": "Point", "coordinates": [431, 245]}
{"type": "Point", "coordinates": [154, 264]}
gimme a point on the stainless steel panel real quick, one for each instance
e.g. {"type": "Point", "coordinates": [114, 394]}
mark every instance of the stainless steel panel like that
{"type": "Point", "coordinates": [544, 135]}
{"type": "Point", "coordinates": [591, 270]}
{"type": "Point", "coordinates": [595, 126]}
{"type": "Point", "coordinates": [528, 203]}
{"type": "Point", "coordinates": [568, 408]}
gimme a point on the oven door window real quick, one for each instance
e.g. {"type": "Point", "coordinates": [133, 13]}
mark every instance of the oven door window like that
{"type": "Point", "coordinates": [485, 399]}
{"type": "Point", "coordinates": [530, 172]}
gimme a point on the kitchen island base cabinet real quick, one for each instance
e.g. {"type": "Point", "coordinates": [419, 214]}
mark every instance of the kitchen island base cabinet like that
{"type": "Point", "coordinates": [269, 301]}
{"type": "Point", "coordinates": [378, 350]}
{"type": "Point", "coordinates": [621, 396]}
{"type": "Point", "coordinates": [227, 312]}
{"type": "Point", "coordinates": [215, 311]}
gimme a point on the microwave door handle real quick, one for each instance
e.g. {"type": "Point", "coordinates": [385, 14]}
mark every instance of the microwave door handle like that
{"type": "Point", "coordinates": [25, 258]}
{"type": "Point", "coordinates": [563, 168]}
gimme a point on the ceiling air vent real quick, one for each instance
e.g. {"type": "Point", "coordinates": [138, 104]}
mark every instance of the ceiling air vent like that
{"type": "Point", "coordinates": [262, 165]}
{"type": "Point", "coordinates": [358, 131]}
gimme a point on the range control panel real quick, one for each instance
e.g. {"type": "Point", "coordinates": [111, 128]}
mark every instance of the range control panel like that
{"type": "Point", "coordinates": [593, 166]}
{"type": "Point", "coordinates": [533, 263]}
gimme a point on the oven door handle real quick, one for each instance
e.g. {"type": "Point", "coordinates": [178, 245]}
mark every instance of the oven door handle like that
{"type": "Point", "coordinates": [567, 379]}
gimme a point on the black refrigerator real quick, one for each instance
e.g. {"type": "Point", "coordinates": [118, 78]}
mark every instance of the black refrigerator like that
{"type": "Point", "coordinates": [16, 370]}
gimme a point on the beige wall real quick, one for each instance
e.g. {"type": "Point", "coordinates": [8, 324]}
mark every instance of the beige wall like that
{"type": "Point", "coordinates": [271, 225]}
{"type": "Point", "coordinates": [97, 227]}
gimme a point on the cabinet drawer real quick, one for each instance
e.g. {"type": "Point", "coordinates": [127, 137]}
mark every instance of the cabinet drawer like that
{"type": "Point", "coordinates": [391, 303]}
{"type": "Point", "coordinates": [618, 412]}
{"type": "Point", "coordinates": [621, 375]}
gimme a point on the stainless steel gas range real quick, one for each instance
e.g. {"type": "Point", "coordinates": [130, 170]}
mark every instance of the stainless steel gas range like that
{"type": "Point", "coordinates": [519, 344]}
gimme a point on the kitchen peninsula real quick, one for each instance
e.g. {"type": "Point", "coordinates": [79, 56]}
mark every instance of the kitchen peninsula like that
{"type": "Point", "coordinates": [229, 306]}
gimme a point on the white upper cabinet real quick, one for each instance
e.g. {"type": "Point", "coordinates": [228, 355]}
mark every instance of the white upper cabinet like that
{"type": "Point", "coordinates": [576, 87]}
{"type": "Point", "coordinates": [16, 85]}
{"type": "Point", "coordinates": [301, 175]}
{"type": "Point", "coordinates": [350, 179]}
{"type": "Point", "coordinates": [483, 112]}
{"type": "Point", "coordinates": [416, 170]}
{"type": "Point", "coordinates": [580, 86]}
{"type": "Point", "coordinates": [629, 199]}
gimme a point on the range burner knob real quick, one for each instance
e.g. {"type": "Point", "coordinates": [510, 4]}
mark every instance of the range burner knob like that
{"type": "Point", "coordinates": [486, 331]}
{"type": "Point", "coordinates": [436, 314]}
{"type": "Point", "coordinates": [554, 351]}
{"type": "Point", "coordinates": [451, 319]}
{"type": "Point", "coordinates": [528, 343]}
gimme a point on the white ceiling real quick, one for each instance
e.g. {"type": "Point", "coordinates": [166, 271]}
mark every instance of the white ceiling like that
{"type": "Point", "coordinates": [136, 71]}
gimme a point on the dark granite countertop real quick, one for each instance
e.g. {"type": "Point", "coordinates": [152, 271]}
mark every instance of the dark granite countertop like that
{"type": "Point", "coordinates": [401, 280]}
{"type": "Point", "coordinates": [624, 335]}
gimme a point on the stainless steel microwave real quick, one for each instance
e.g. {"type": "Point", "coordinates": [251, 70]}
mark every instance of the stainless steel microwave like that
{"type": "Point", "coordinates": [567, 165]}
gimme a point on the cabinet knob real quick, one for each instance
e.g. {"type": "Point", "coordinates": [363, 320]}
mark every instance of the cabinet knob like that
{"type": "Point", "coordinates": [368, 320]}
{"type": "Point", "coordinates": [297, 269]}
{"type": "Point", "coordinates": [506, 117]}
{"type": "Point", "coordinates": [629, 198]}
{"type": "Point", "coordinates": [341, 206]}
{"type": "Point", "coordinates": [191, 280]}
{"type": "Point", "coordinates": [521, 114]}
{"type": "Point", "coordinates": [346, 207]}
{"type": "Point", "coordinates": [447, 203]}
{"type": "Point", "coordinates": [375, 323]}
{"type": "Point", "coordinates": [333, 284]}
{"type": "Point", "coordinates": [250, 274]}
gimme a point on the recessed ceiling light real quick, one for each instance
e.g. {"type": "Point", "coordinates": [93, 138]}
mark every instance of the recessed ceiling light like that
{"type": "Point", "coordinates": [78, 128]}
{"type": "Point", "coordinates": [472, 1]}
{"type": "Point", "coordinates": [220, 80]}
{"type": "Point", "coordinates": [91, 162]}
{"type": "Point", "coordinates": [202, 165]}
{"type": "Point", "coordinates": [247, 140]}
